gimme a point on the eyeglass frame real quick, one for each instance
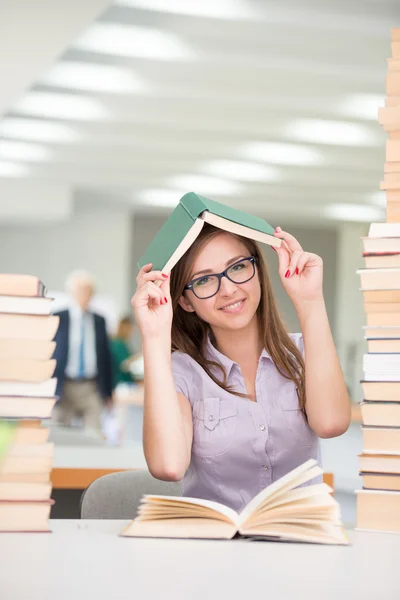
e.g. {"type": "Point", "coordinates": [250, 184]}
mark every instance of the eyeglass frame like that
{"type": "Point", "coordinates": [251, 259]}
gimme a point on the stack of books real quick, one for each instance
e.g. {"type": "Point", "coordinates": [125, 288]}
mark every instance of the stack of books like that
{"type": "Point", "coordinates": [27, 395]}
{"type": "Point", "coordinates": [378, 503]}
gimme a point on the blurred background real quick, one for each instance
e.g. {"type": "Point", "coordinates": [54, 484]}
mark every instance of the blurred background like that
{"type": "Point", "coordinates": [110, 111]}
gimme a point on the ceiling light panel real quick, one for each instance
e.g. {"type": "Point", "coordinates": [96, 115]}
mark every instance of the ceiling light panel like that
{"type": "Point", "coordinates": [378, 198]}
{"type": "Point", "coordinates": [223, 9]}
{"type": "Point", "coordinates": [330, 132]}
{"type": "Point", "coordinates": [241, 170]}
{"type": "Point", "coordinates": [362, 106]}
{"type": "Point", "coordinates": [353, 212]}
{"type": "Point", "coordinates": [61, 106]}
{"type": "Point", "coordinates": [36, 130]}
{"type": "Point", "coordinates": [131, 40]}
{"type": "Point", "coordinates": [10, 169]}
{"type": "Point", "coordinates": [280, 153]}
{"type": "Point", "coordinates": [159, 197]}
{"type": "Point", "coordinates": [93, 77]}
{"type": "Point", "coordinates": [12, 150]}
{"type": "Point", "coordinates": [202, 184]}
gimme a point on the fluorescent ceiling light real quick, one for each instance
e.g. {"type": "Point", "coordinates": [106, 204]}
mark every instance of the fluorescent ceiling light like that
{"type": "Point", "coordinates": [160, 197]}
{"type": "Point", "coordinates": [353, 212]}
{"type": "Point", "coordinates": [378, 198]}
{"type": "Point", "coordinates": [131, 40]}
{"type": "Point", "coordinates": [61, 106]}
{"type": "Point", "coordinates": [330, 132]}
{"type": "Point", "coordinates": [93, 77]}
{"type": "Point", "coordinates": [222, 9]}
{"type": "Point", "coordinates": [42, 131]}
{"type": "Point", "coordinates": [240, 170]}
{"type": "Point", "coordinates": [280, 154]}
{"type": "Point", "coordinates": [10, 169]}
{"type": "Point", "coordinates": [202, 184]}
{"type": "Point", "coordinates": [362, 106]}
{"type": "Point", "coordinates": [23, 151]}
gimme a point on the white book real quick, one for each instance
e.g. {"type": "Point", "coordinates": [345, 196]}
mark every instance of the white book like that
{"type": "Point", "coordinates": [384, 230]}
{"type": "Point", "coordinates": [381, 376]}
{"type": "Point", "coordinates": [42, 389]}
{"type": "Point", "coordinates": [24, 305]}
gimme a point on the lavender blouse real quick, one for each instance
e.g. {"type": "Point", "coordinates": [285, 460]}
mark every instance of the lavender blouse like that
{"type": "Point", "coordinates": [239, 446]}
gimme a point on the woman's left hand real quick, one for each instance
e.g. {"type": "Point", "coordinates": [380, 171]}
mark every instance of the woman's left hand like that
{"type": "Point", "coordinates": [300, 272]}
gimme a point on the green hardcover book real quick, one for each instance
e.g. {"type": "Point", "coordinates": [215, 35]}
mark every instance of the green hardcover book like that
{"type": "Point", "coordinates": [186, 221]}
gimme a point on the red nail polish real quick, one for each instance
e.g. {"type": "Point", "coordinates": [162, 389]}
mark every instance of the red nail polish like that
{"type": "Point", "coordinates": [165, 300]}
{"type": "Point", "coordinates": [287, 274]}
{"type": "Point", "coordinates": [164, 275]}
{"type": "Point", "coordinates": [273, 248]}
{"type": "Point", "coordinates": [297, 271]}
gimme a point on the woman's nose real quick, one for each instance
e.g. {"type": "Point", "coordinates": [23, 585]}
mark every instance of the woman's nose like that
{"type": "Point", "coordinates": [227, 286]}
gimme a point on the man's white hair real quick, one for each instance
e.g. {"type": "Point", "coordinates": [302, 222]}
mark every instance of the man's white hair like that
{"type": "Point", "coordinates": [79, 277]}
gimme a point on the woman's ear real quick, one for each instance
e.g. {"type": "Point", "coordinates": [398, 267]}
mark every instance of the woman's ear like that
{"type": "Point", "coordinates": [185, 304]}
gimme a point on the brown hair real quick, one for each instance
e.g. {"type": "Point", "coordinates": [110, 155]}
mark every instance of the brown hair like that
{"type": "Point", "coordinates": [127, 320]}
{"type": "Point", "coordinates": [189, 332]}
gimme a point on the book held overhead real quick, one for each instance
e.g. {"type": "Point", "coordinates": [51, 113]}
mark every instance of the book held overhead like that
{"type": "Point", "coordinates": [187, 220]}
{"type": "Point", "coordinates": [378, 503]}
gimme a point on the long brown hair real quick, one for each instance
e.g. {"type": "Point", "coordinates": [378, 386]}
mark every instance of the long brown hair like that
{"type": "Point", "coordinates": [189, 332]}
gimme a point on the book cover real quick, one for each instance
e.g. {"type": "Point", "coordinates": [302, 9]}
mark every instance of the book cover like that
{"type": "Point", "coordinates": [186, 221]}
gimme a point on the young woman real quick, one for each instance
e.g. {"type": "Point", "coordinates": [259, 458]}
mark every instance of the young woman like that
{"type": "Point", "coordinates": [240, 402]}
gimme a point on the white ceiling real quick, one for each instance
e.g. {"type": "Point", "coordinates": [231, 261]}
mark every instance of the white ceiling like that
{"type": "Point", "coordinates": [251, 71]}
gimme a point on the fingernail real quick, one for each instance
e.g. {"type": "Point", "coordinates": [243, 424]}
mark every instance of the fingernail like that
{"type": "Point", "coordinates": [164, 275]}
{"type": "Point", "coordinates": [165, 300]}
{"type": "Point", "coordinates": [287, 274]}
{"type": "Point", "coordinates": [278, 230]}
{"type": "Point", "coordinates": [273, 248]}
{"type": "Point", "coordinates": [297, 271]}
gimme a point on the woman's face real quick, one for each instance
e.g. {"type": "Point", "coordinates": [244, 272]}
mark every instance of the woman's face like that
{"type": "Point", "coordinates": [235, 304]}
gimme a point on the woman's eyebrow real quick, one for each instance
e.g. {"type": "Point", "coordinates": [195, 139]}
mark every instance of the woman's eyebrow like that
{"type": "Point", "coordinates": [205, 271]}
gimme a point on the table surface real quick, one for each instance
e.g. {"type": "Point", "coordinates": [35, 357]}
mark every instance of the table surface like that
{"type": "Point", "coordinates": [87, 559]}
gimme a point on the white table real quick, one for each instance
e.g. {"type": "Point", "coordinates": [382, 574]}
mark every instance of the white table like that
{"type": "Point", "coordinates": [87, 560]}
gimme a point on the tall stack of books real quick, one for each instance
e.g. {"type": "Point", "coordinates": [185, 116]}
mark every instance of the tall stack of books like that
{"type": "Point", "coordinates": [27, 389]}
{"type": "Point", "coordinates": [378, 503]}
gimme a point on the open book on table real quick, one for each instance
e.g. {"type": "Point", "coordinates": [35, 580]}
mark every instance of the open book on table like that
{"type": "Point", "coordinates": [283, 512]}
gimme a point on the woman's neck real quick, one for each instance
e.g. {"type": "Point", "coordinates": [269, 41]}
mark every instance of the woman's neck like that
{"type": "Point", "coordinates": [243, 346]}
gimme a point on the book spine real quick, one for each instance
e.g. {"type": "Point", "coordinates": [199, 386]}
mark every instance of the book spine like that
{"type": "Point", "coordinates": [193, 205]}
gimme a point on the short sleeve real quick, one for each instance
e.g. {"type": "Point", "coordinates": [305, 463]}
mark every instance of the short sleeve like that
{"type": "Point", "coordinates": [297, 338]}
{"type": "Point", "coordinates": [182, 373]}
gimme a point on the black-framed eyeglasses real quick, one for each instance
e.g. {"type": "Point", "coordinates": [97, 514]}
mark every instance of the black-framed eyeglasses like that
{"type": "Point", "coordinates": [208, 285]}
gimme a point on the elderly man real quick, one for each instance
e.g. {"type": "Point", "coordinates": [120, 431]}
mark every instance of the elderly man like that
{"type": "Point", "coordinates": [83, 357]}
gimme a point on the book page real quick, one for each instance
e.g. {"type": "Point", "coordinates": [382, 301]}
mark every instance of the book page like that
{"type": "Point", "coordinates": [232, 227]}
{"type": "Point", "coordinates": [170, 502]}
{"type": "Point", "coordinates": [180, 528]}
{"type": "Point", "coordinates": [302, 474]}
{"type": "Point", "coordinates": [316, 495]}
{"type": "Point", "coordinates": [321, 533]}
{"type": "Point", "coordinates": [185, 244]}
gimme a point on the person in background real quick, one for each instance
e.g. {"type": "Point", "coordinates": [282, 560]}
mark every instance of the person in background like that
{"type": "Point", "coordinates": [122, 356]}
{"type": "Point", "coordinates": [83, 370]}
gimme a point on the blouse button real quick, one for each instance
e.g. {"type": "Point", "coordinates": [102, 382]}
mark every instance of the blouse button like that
{"type": "Point", "coordinates": [211, 418]}
{"type": "Point", "coordinates": [262, 427]}
{"type": "Point", "coordinates": [265, 467]}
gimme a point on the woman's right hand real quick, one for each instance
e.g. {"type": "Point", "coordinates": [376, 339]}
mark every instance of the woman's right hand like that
{"type": "Point", "coordinates": [152, 303]}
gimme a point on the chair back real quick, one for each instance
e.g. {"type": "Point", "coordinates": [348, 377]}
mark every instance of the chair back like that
{"type": "Point", "coordinates": [118, 495]}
